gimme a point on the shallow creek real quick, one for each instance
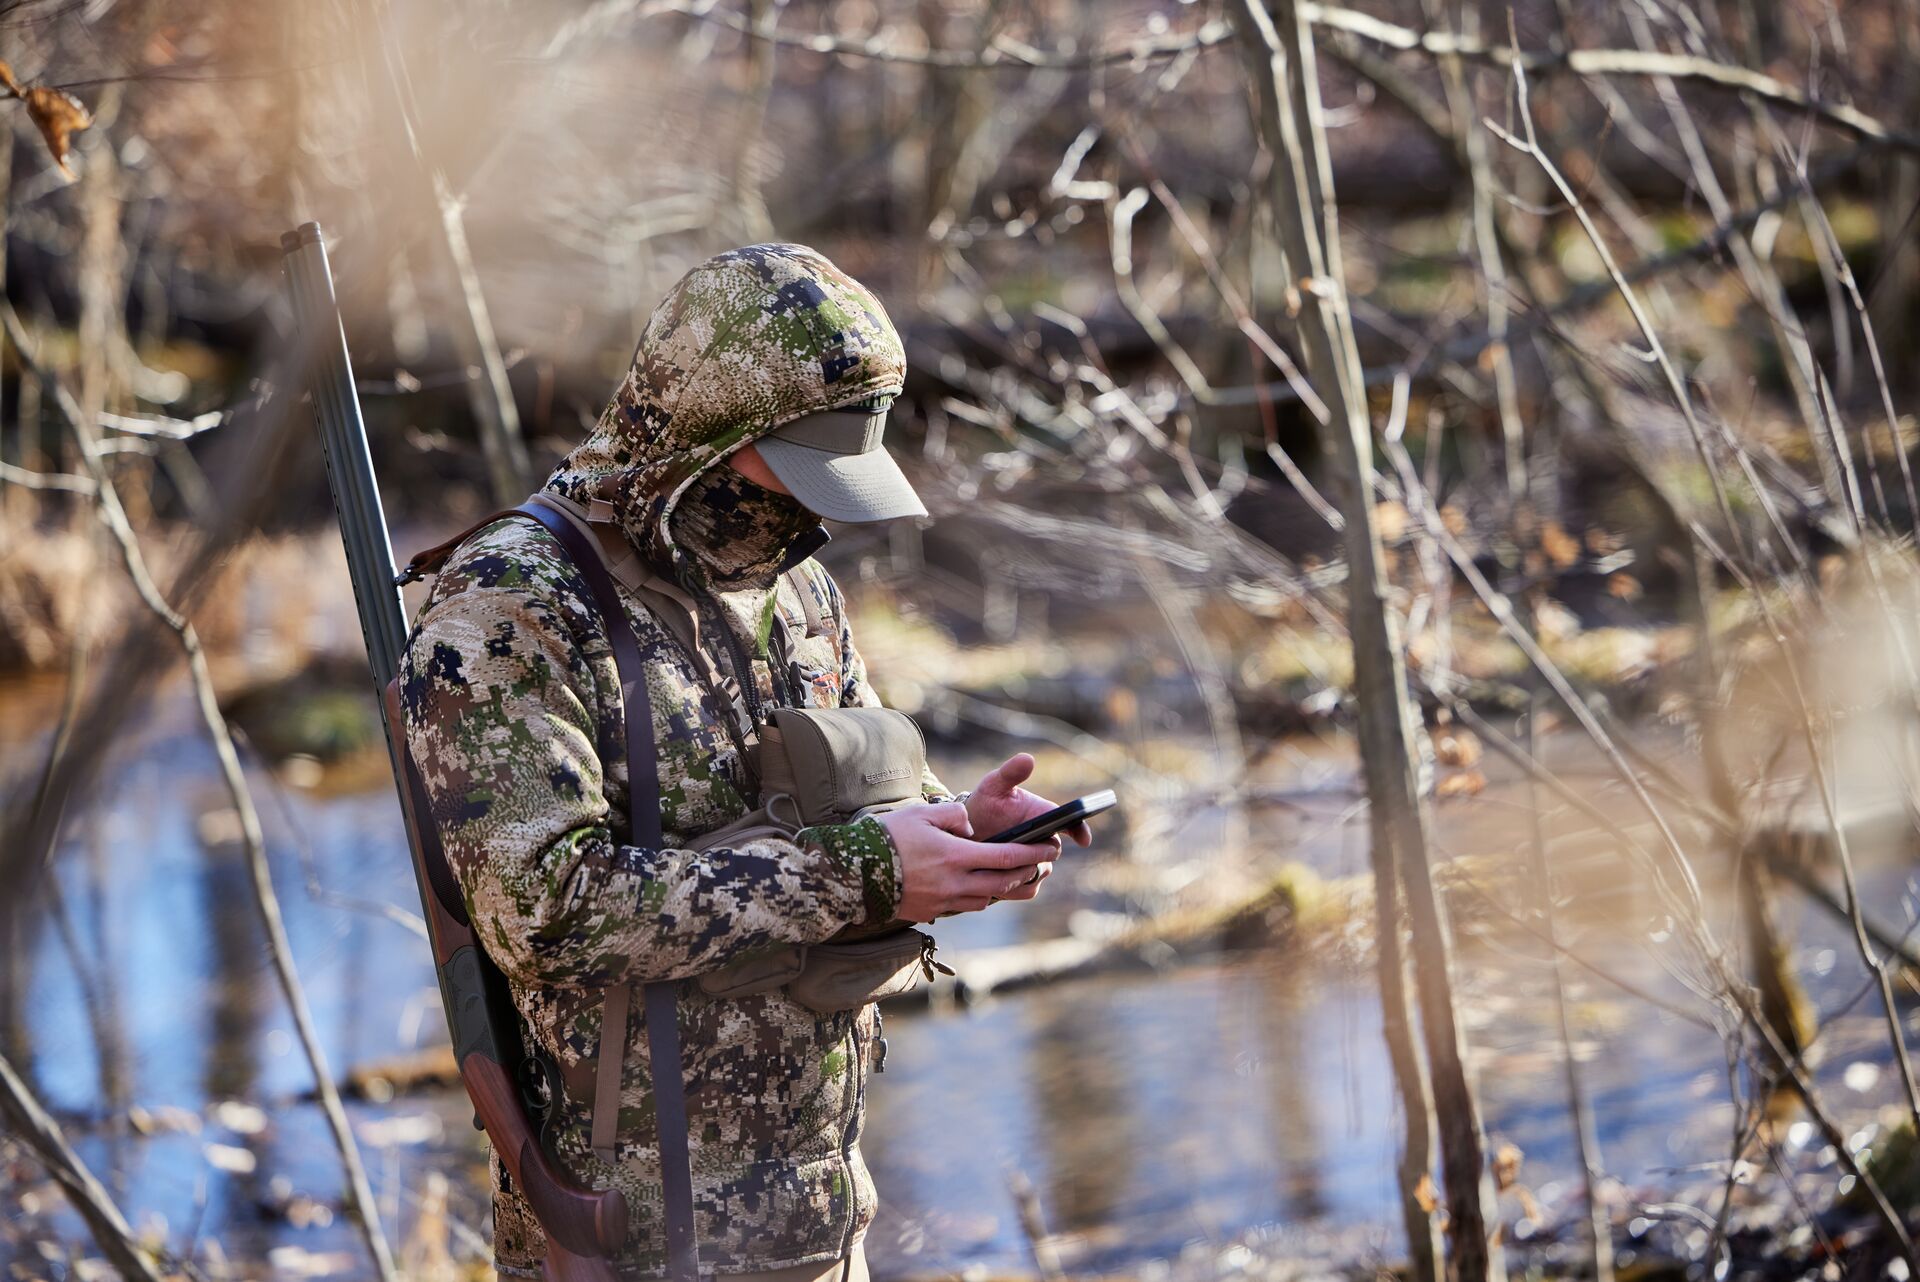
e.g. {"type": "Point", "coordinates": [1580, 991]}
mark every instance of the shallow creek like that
{"type": "Point", "coordinates": [1241, 1101]}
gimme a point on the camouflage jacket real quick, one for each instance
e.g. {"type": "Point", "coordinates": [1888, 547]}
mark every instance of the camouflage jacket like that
{"type": "Point", "coordinates": [513, 713]}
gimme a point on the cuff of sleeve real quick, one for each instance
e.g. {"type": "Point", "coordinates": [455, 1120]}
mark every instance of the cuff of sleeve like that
{"type": "Point", "coordinates": [864, 850]}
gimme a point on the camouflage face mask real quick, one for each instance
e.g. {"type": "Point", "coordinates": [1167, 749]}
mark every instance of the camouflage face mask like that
{"type": "Point", "coordinates": [733, 532]}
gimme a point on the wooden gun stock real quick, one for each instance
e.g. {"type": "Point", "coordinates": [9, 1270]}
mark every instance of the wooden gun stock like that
{"type": "Point", "coordinates": [584, 1226]}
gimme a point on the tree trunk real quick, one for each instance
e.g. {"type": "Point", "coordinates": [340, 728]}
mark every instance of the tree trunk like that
{"type": "Point", "coordinates": [1279, 53]}
{"type": "Point", "coordinates": [1417, 1201]}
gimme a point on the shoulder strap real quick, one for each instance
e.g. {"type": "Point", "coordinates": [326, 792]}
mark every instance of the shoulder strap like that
{"type": "Point", "coordinates": [643, 821]}
{"type": "Point", "coordinates": [802, 585]}
{"type": "Point", "coordinates": [672, 604]}
{"type": "Point", "coordinates": [643, 766]}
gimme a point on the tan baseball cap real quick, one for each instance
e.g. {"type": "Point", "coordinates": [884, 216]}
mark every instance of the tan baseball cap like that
{"type": "Point", "coordinates": [834, 463]}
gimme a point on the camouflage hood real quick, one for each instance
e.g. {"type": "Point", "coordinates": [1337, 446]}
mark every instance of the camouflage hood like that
{"type": "Point", "coordinates": [748, 341]}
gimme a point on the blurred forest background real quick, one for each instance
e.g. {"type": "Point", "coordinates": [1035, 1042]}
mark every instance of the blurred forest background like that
{"type": "Point", "coordinates": [1448, 465]}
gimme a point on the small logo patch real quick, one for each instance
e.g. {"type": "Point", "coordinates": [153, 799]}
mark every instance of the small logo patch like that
{"type": "Point", "coordinates": [881, 776]}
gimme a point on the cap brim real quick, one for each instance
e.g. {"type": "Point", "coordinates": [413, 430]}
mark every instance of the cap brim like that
{"type": "Point", "coordinates": [842, 487]}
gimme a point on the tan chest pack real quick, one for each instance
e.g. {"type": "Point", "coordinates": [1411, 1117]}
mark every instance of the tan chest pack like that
{"type": "Point", "coordinates": [828, 766]}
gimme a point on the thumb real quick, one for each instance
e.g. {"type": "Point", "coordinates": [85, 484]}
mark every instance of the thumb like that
{"type": "Point", "coordinates": [1010, 774]}
{"type": "Point", "coordinates": [949, 816]}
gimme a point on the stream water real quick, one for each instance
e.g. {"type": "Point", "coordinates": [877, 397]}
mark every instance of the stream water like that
{"type": "Point", "coordinates": [1211, 1108]}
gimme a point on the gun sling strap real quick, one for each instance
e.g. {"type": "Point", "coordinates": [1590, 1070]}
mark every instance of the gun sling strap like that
{"type": "Point", "coordinates": [643, 818]}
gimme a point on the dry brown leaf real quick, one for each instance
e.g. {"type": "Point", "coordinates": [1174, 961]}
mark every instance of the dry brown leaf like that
{"type": "Point", "coordinates": [1456, 747]}
{"type": "Point", "coordinates": [1562, 548]}
{"type": "Point", "coordinates": [6, 79]}
{"type": "Point", "coordinates": [1467, 783]}
{"type": "Point", "coordinates": [1624, 586]}
{"type": "Point", "coordinates": [1391, 519]}
{"type": "Point", "coordinates": [58, 115]}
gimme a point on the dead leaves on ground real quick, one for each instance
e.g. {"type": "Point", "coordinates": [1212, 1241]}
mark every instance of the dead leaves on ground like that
{"type": "Point", "coordinates": [57, 114]}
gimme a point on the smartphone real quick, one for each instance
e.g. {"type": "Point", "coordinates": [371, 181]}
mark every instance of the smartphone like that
{"type": "Point", "coordinates": [1041, 827]}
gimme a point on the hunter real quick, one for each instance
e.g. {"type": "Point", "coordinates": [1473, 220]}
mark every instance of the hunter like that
{"type": "Point", "coordinates": [753, 408]}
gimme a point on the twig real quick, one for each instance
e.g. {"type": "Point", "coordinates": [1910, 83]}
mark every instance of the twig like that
{"type": "Point", "coordinates": [317, 890]}
{"type": "Point", "coordinates": [1685, 893]}
{"type": "Point", "coordinates": [1530, 145]}
{"type": "Point", "coordinates": [1611, 62]}
{"type": "Point", "coordinates": [491, 396]}
{"type": "Point", "coordinates": [1586, 1137]}
{"type": "Point", "coordinates": [1033, 1225]}
{"type": "Point", "coordinates": [28, 1120]}
{"type": "Point", "coordinates": [1888, 942]}
{"type": "Point", "coordinates": [1582, 298]}
{"type": "Point", "coordinates": [1261, 341]}
{"type": "Point", "coordinates": [1587, 964]}
{"type": "Point", "coordinates": [170, 429]}
{"type": "Point", "coordinates": [1003, 52]}
{"type": "Point", "coordinates": [1008, 53]}
{"type": "Point", "coordinates": [32, 480]}
{"type": "Point", "coordinates": [1492, 282]}
{"type": "Point", "coordinates": [1120, 254]}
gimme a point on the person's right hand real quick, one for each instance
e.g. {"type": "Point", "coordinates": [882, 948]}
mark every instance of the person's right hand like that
{"type": "Point", "coordinates": [942, 872]}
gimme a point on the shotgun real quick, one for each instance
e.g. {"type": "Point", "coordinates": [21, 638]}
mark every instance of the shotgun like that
{"type": "Point", "coordinates": [585, 1227]}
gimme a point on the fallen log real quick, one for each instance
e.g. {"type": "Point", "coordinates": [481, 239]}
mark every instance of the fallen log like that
{"type": "Point", "coordinates": [1294, 903]}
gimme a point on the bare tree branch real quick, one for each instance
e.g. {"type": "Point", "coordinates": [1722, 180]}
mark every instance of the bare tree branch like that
{"type": "Point", "coordinates": [39, 1132]}
{"type": "Point", "coordinates": [107, 506]}
{"type": "Point", "coordinates": [1005, 52]}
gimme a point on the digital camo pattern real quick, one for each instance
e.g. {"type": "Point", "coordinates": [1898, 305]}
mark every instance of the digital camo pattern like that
{"type": "Point", "coordinates": [513, 712]}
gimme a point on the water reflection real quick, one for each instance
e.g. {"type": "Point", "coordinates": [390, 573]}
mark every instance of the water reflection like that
{"type": "Point", "coordinates": [1080, 1098]}
{"type": "Point", "coordinates": [237, 996]}
{"type": "Point", "coordinates": [1191, 1104]}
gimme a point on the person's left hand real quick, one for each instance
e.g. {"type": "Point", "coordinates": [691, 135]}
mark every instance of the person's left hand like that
{"type": "Point", "coordinates": [1000, 802]}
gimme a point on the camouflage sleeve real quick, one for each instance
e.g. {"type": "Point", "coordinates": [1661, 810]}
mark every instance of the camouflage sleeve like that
{"type": "Point", "coordinates": [856, 691]}
{"type": "Point", "coordinates": [499, 710]}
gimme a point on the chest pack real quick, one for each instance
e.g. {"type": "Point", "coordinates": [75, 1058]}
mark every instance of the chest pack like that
{"type": "Point", "coordinates": [812, 766]}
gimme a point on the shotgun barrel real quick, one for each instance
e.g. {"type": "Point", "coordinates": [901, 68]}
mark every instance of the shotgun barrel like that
{"type": "Point", "coordinates": [585, 1227]}
{"type": "Point", "coordinates": [343, 440]}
